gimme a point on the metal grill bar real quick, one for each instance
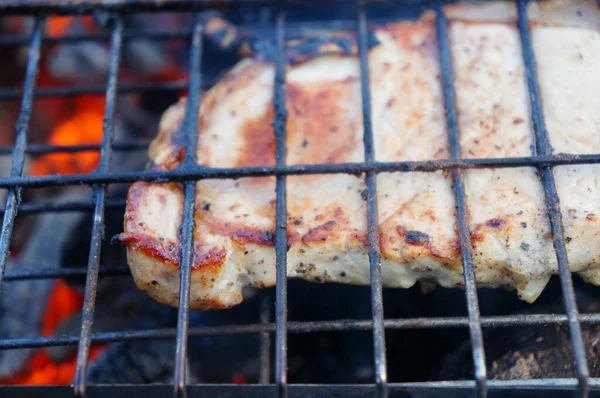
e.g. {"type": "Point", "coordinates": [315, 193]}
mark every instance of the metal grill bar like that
{"type": "Point", "coordinates": [67, 7]}
{"type": "Point", "coordinates": [136, 34]}
{"type": "Point", "coordinates": [15, 94]}
{"type": "Point", "coordinates": [190, 128]}
{"type": "Point", "coordinates": [521, 388]}
{"type": "Point", "coordinates": [461, 206]}
{"type": "Point", "coordinates": [74, 272]}
{"type": "Point", "coordinates": [543, 146]}
{"type": "Point", "coordinates": [535, 160]}
{"type": "Point", "coordinates": [80, 206]}
{"type": "Point", "coordinates": [39, 149]}
{"type": "Point", "coordinates": [372, 219]}
{"type": "Point", "coordinates": [22, 129]}
{"type": "Point", "coordinates": [99, 193]}
{"type": "Point", "coordinates": [340, 325]}
{"type": "Point", "coordinates": [199, 172]}
{"type": "Point", "coordinates": [281, 239]}
{"type": "Point", "coordinates": [128, 35]}
{"type": "Point", "coordinates": [264, 350]}
{"type": "Point", "coordinates": [189, 173]}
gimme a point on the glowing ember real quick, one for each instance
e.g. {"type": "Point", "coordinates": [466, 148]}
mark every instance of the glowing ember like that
{"type": "Point", "coordinates": [71, 121]}
{"type": "Point", "coordinates": [63, 303]}
{"type": "Point", "coordinates": [84, 127]}
{"type": "Point", "coordinates": [239, 378]}
{"type": "Point", "coordinates": [58, 26]}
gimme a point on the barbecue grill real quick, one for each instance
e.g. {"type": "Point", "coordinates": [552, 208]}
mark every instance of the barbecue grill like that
{"type": "Point", "coordinates": [276, 384]}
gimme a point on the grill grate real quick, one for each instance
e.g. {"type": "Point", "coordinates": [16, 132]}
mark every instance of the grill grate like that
{"type": "Point", "coordinates": [189, 172]}
{"type": "Point", "coordinates": [99, 195]}
{"type": "Point", "coordinates": [461, 206]}
{"type": "Point", "coordinates": [279, 123]}
{"type": "Point", "coordinates": [552, 202]}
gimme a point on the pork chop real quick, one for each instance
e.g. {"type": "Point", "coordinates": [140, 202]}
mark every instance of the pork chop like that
{"type": "Point", "coordinates": [510, 233]}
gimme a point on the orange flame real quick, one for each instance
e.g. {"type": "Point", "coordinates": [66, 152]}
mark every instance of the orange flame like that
{"type": "Point", "coordinates": [41, 370]}
{"type": "Point", "coordinates": [79, 123]}
{"type": "Point", "coordinates": [84, 127]}
{"type": "Point", "coordinates": [58, 26]}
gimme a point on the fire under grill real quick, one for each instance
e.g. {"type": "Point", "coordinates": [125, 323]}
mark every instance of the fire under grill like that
{"type": "Point", "coordinates": [270, 328]}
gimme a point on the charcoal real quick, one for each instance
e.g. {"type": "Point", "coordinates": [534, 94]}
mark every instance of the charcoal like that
{"type": "Point", "coordinates": [80, 62]}
{"type": "Point", "coordinates": [5, 165]}
{"type": "Point", "coordinates": [43, 250]}
{"type": "Point", "coordinates": [86, 61]}
{"type": "Point", "coordinates": [546, 352]}
{"type": "Point", "coordinates": [526, 353]}
{"type": "Point", "coordinates": [530, 352]}
{"type": "Point", "coordinates": [139, 361]}
{"type": "Point", "coordinates": [151, 361]}
{"type": "Point", "coordinates": [117, 308]}
{"type": "Point", "coordinates": [145, 57]}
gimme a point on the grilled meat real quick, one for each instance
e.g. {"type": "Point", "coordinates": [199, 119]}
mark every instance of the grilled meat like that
{"type": "Point", "coordinates": [510, 233]}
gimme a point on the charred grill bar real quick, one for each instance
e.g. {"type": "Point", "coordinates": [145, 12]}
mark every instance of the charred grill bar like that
{"type": "Point", "coordinates": [372, 222]}
{"type": "Point", "coordinates": [8, 94]}
{"type": "Point", "coordinates": [281, 240]}
{"type": "Point", "coordinates": [22, 129]}
{"type": "Point", "coordinates": [190, 172]}
{"type": "Point", "coordinates": [462, 214]}
{"type": "Point", "coordinates": [543, 147]}
{"type": "Point", "coordinates": [199, 172]}
{"type": "Point", "coordinates": [99, 195]}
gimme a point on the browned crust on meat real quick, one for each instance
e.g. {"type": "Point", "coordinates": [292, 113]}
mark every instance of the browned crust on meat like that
{"type": "Point", "coordinates": [239, 232]}
{"type": "Point", "coordinates": [327, 135]}
{"type": "Point", "coordinates": [313, 111]}
{"type": "Point", "coordinates": [169, 141]}
{"type": "Point", "coordinates": [319, 133]}
{"type": "Point", "coordinates": [417, 243]}
{"type": "Point", "coordinates": [320, 233]}
{"type": "Point", "coordinates": [243, 234]}
{"type": "Point", "coordinates": [167, 251]}
{"type": "Point", "coordinates": [161, 285]}
{"type": "Point", "coordinates": [258, 142]}
{"type": "Point", "coordinates": [210, 261]}
{"type": "Point", "coordinates": [423, 241]}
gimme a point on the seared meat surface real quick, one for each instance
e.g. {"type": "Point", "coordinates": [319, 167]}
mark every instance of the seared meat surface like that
{"type": "Point", "coordinates": [510, 233]}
